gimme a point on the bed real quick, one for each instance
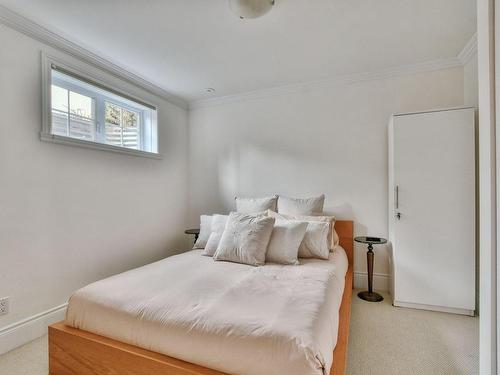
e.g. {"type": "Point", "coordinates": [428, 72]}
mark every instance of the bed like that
{"type": "Point", "coordinates": [211, 318]}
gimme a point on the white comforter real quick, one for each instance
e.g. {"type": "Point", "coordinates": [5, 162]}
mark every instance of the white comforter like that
{"type": "Point", "coordinates": [238, 319]}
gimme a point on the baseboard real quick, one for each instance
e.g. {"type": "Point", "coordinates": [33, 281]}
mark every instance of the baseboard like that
{"type": "Point", "coordinates": [420, 306]}
{"type": "Point", "coordinates": [380, 281]}
{"type": "Point", "coordinates": [29, 329]}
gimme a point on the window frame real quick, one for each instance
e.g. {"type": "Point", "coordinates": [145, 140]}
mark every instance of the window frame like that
{"type": "Point", "coordinates": [48, 63]}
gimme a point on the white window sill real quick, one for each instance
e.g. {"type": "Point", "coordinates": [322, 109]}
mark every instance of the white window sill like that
{"type": "Point", "coordinates": [97, 146]}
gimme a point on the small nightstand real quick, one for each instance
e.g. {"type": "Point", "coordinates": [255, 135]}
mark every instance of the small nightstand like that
{"type": "Point", "coordinates": [196, 233]}
{"type": "Point", "coordinates": [370, 295]}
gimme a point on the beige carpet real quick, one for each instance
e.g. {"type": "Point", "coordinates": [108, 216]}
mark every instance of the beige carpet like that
{"type": "Point", "coordinates": [384, 341]}
{"type": "Point", "coordinates": [387, 340]}
{"type": "Point", "coordinates": [30, 359]}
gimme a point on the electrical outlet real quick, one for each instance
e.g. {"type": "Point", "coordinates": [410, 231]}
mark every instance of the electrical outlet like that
{"type": "Point", "coordinates": [4, 305]}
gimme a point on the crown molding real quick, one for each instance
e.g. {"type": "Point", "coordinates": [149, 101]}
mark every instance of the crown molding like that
{"type": "Point", "coordinates": [428, 66]}
{"type": "Point", "coordinates": [40, 33]}
{"type": "Point", "coordinates": [469, 51]}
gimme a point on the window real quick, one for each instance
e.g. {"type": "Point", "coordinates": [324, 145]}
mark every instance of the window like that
{"type": "Point", "coordinates": [122, 126]}
{"type": "Point", "coordinates": [73, 114]}
{"type": "Point", "coordinates": [85, 112]}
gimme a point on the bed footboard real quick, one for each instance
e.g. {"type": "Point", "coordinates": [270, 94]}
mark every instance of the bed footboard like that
{"type": "Point", "coordinates": [76, 352]}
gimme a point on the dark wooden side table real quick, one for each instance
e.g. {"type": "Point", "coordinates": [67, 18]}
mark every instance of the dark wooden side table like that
{"type": "Point", "coordinates": [370, 295]}
{"type": "Point", "coordinates": [196, 233]}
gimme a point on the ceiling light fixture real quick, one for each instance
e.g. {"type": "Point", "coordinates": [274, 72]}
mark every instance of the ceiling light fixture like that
{"type": "Point", "coordinates": [250, 8]}
{"type": "Point", "coordinates": [209, 90]}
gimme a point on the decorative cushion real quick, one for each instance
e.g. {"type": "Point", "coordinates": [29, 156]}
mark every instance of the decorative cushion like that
{"type": "Point", "coordinates": [285, 240]}
{"type": "Point", "coordinates": [298, 206]}
{"type": "Point", "coordinates": [333, 237]}
{"type": "Point", "coordinates": [205, 231]}
{"type": "Point", "coordinates": [218, 225]}
{"type": "Point", "coordinates": [254, 205]}
{"type": "Point", "coordinates": [245, 239]}
{"type": "Point", "coordinates": [315, 243]}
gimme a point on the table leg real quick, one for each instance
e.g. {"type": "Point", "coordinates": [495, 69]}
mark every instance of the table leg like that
{"type": "Point", "coordinates": [370, 295]}
{"type": "Point", "coordinates": [369, 261]}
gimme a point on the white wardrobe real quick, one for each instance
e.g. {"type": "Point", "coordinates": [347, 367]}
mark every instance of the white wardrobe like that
{"type": "Point", "coordinates": [432, 190]}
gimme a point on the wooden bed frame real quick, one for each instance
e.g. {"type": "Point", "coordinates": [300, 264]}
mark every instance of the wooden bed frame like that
{"type": "Point", "coordinates": [77, 352]}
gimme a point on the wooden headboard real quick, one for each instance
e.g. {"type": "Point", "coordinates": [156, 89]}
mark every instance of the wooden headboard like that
{"type": "Point", "coordinates": [345, 230]}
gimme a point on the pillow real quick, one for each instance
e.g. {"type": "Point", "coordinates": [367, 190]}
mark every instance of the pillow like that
{"type": "Point", "coordinates": [297, 206]}
{"type": "Point", "coordinates": [253, 205]}
{"type": "Point", "coordinates": [285, 240]}
{"type": "Point", "coordinates": [333, 237]}
{"type": "Point", "coordinates": [205, 231]}
{"type": "Point", "coordinates": [315, 243]}
{"type": "Point", "coordinates": [245, 239]}
{"type": "Point", "coordinates": [218, 225]}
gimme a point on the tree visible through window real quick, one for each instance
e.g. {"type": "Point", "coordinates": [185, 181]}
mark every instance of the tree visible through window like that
{"type": "Point", "coordinates": [121, 126]}
{"type": "Point", "coordinates": [112, 114]}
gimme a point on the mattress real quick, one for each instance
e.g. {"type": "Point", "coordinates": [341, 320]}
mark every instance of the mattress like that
{"type": "Point", "coordinates": [234, 318]}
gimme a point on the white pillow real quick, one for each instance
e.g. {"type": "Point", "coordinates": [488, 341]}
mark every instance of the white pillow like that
{"type": "Point", "coordinates": [245, 239]}
{"type": "Point", "coordinates": [254, 205]}
{"type": "Point", "coordinates": [333, 237]}
{"type": "Point", "coordinates": [298, 206]}
{"type": "Point", "coordinates": [218, 225]}
{"type": "Point", "coordinates": [315, 243]}
{"type": "Point", "coordinates": [205, 231]}
{"type": "Point", "coordinates": [285, 240]}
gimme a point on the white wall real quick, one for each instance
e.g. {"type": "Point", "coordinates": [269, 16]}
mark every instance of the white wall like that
{"type": "Point", "coordinates": [330, 140]}
{"type": "Point", "coordinates": [68, 215]}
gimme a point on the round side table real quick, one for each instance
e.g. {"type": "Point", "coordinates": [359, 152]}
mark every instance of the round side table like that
{"type": "Point", "coordinates": [196, 233]}
{"type": "Point", "coordinates": [370, 295]}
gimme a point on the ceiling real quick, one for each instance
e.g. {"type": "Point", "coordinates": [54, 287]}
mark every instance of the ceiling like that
{"type": "Point", "coordinates": [185, 46]}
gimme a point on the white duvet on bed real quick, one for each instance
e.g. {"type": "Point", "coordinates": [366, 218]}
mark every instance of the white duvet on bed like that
{"type": "Point", "coordinates": [230, 317]}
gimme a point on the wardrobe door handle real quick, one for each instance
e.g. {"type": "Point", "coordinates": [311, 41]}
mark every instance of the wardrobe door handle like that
{"type": "Point", "coordinates": [397, 197]}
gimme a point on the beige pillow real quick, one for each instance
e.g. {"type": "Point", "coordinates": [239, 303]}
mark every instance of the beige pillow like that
{"type": "Point", "coordinates": [301, 206]}
{"type": "Point", "coordinates": [245, 239]}
{"type": "Point", "coordinates": [285, 241]}
{"type": "Point", "coordinates": [217, 228]}
{"type": "Point", "coordinates": [254, 205]}
{"type": "Point", "coordinates": [333, 237]}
